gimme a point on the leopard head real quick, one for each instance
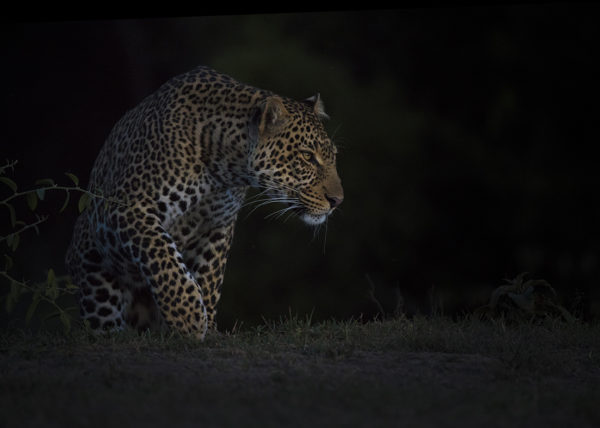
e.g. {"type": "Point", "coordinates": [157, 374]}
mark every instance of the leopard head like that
{"type": "Point", "coordinates": [294, 158]}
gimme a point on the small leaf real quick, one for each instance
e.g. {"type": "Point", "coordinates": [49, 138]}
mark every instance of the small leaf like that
{"type": "Point", "coordinates": [73, 178]}
{"type": "Point", "coordinates": [41, 193]}
{"type": "Point", "coordinates": [66, 320]}
{"type": "Point", "coordinates": [10, 183]}
{"type": "Point", "coordinates": [67, 199]}
{"type": "Point", "coordinates": [35, 226]}
{"type": "Point", "coordinates": [518, 281]}
{"type": "Point", "coordinates": [32, 200]}
{"type": "Point", "coordinates": [84, 202]}
{"type": "Point", "coordinates": [52, 286]}
{"type": "Point", "coordinates": [32, 307]}
{"type": "Point", "coordinates": [9, 262]}
{"type": "Point", "coordinates": [70, 286]}
{"type": "Point", "coordinates": [45, 182]}
{"type": "Point", "coordinates": [51, 278]}
{"type": "Point", "coordinates": [16, 238]}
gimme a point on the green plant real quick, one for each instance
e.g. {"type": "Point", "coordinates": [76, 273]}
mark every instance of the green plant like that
{"type": "Point", "coordinates": [524, 300]}
{"type": "Point", "coordinates": [54, 286]}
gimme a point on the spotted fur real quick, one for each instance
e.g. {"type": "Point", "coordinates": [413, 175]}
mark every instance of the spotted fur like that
{"type": "Point", "coordinates": [178, 166]}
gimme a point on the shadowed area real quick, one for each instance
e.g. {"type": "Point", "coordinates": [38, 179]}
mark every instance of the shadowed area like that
{"type": "Point", "coordinates": [465, 139]}
{"type": "Point", "coordinates": [294, 373]}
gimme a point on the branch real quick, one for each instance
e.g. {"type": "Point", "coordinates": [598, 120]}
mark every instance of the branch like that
{"type": "Point", "coordinates": [24, 228]}
{"type": "Point", "coordinates": [57, 187]}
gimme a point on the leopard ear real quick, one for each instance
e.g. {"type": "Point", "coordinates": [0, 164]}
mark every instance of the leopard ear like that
{"type": "Point", "coordinates": [273, 115]}
{"type": "Point", "coordinates": [318, 106]}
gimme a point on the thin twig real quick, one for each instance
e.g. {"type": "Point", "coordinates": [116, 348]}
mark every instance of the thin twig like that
{"type": "Point", "coordinates": [24, 228]}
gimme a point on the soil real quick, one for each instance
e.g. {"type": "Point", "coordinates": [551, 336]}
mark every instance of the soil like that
{"type": "Point", "coordinates": [91, 387]}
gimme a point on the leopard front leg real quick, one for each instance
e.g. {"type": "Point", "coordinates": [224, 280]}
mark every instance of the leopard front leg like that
{"type": "Point", "coordinates": [178, 295]}
{"type": "Point", "coordinates": [206, 256]}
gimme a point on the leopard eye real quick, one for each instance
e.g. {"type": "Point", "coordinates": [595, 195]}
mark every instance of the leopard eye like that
{"type": "Point", "coordinates": [308, 156]}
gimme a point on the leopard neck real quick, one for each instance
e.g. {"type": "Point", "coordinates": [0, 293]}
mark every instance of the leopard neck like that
{"type": "Point", "coordinates": [226, 136]}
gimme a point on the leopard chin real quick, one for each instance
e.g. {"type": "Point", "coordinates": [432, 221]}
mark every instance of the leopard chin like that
{"type": "Point", "coordinates": [313, 219]}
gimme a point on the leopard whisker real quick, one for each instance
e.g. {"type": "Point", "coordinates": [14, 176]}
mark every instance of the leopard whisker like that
{"type": "Point", "coordinates": [263, 200]}
{"type": "Point", "coordinates": [268, 183]}
{"type": "Point", "coordinates": [281, 212]}
{"type": "Point", "coordinates": [292, 201]}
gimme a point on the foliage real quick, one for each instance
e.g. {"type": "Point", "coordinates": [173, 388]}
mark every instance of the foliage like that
{"type": "Point", "coordinates": [521, 300]}
{"type": "Point", "coordinates": [54, 287]}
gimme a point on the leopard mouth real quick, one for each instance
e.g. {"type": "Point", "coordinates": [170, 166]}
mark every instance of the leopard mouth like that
{"type": "Point", "coordinates": [295, 204]}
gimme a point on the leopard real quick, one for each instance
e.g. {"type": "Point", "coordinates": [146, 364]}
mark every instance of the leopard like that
{"type": "Point", "coordinates": [169, 182]}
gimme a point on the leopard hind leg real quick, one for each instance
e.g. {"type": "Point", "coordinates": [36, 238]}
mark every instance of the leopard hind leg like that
{"type": "Point", "coordinates": [101, 298]}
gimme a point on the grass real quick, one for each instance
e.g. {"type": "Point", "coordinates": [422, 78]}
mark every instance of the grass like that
{"type": "Point", "coordinates": [417, 372]}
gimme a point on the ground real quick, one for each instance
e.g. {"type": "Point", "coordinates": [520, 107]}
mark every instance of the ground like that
{"type": "Point", "coordinates": [416, 373]}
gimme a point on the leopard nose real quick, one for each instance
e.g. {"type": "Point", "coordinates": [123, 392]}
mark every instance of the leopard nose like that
{"type": "Point", "coordinates": [334, 201]}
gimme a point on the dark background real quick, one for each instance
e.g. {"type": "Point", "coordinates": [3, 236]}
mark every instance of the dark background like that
{"type": "Point", "coordinates": [467, 140]}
